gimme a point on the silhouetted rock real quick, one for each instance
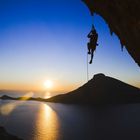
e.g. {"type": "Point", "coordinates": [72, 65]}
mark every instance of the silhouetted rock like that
{"type": "Point", "coordinates": [99, 76]}
{"type": "Point", "coordinates": [6, 136]}
{"type": "Point", "coordinates": [99, 90]}
{"type": "Point", "coordinates": [123, 18]}
{"type": "Point", "coordinates": [5, 97]}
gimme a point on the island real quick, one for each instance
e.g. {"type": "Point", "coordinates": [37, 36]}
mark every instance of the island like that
{"type": "Point", "coordinates": [100, 89]}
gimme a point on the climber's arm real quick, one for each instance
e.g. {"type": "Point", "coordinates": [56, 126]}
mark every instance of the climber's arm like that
{"type": "Point", "coordinates": [89, 35]}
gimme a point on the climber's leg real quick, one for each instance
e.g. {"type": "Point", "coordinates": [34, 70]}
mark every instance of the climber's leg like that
{"type": "Point", "coordinates": [88, 45]}
{"type": "Point", "coordinates": [92, 51]}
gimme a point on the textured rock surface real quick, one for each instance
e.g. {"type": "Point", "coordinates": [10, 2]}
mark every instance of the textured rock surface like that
{"type": "Point", "coordinates": [123, 18]}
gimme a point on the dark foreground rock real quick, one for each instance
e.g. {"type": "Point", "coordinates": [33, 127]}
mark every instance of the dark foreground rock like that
{"type": "Point", "coordinates": [6, 136]}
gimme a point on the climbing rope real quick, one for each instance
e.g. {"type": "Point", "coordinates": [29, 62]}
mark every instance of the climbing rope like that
{"type": "Point", "coordinates": [93, 35]}
{"type": "Point", "coordinates": [87, 55]}
{"type": "Point", "coordinates": [87, 69]}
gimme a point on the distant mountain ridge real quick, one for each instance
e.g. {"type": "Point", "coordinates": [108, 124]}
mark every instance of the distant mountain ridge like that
{"type": "Point", "coordinates": [101, 89]}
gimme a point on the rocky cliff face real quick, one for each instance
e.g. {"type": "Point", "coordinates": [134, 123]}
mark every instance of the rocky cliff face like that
{"type": "Point", "coordinates": [123, 18]}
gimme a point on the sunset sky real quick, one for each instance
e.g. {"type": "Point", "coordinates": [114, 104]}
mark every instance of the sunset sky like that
{"type": "Point", "coordinates": [47, 40]}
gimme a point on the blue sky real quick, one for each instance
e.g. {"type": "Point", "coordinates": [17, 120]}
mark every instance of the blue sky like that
{"type": "Point", "coordinates": [42, 40]}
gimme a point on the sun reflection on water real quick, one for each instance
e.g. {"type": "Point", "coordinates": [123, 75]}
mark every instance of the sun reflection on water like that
{"type": "Point", "coordinates": [8, 108]}
{"type": "Point", "coordinates": [47, 125]}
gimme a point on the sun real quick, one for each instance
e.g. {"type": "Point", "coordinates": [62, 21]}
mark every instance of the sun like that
{"type": "Point", "coordinates": [48, 84]}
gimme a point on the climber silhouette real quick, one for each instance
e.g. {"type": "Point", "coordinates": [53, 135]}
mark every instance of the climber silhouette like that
{"type": "Point", "coordinates": [93, 36]}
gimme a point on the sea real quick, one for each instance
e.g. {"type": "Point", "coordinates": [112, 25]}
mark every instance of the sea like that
{"type": "Point", "coordinates": [33, 120]}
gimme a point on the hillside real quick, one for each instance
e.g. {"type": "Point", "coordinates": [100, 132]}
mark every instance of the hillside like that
{"type": "Point", "coordinates": [101, 89]}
